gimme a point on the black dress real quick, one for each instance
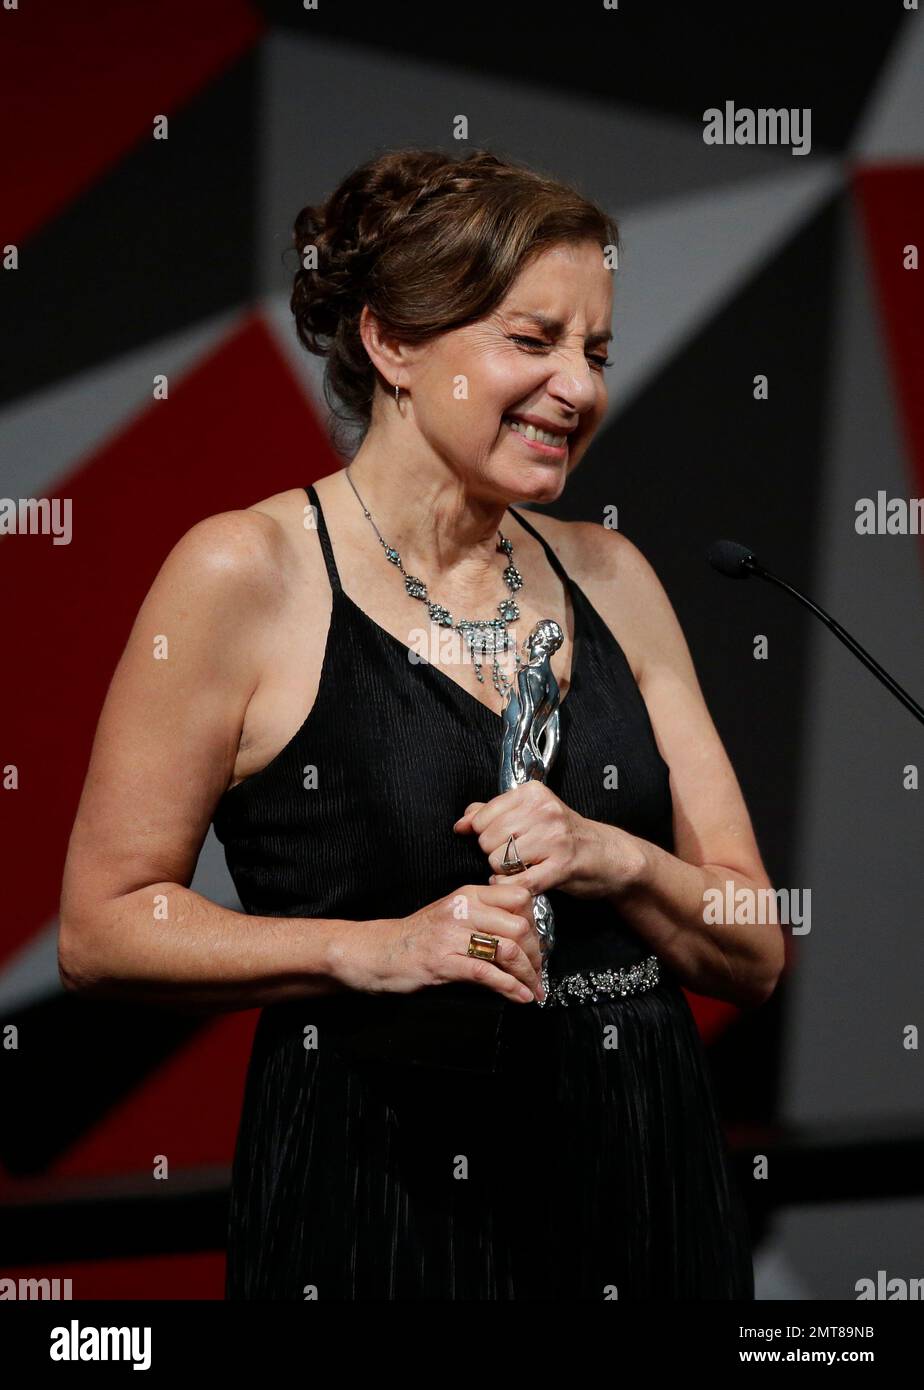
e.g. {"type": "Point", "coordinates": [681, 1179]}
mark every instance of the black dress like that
{"type": "Point", "coordinates": [450, 1144]}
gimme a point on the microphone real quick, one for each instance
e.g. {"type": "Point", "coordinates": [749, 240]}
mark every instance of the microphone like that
{"type": "Point", "coordinates": [731, 558]}
{"type": "Point", "coordinates": [738, 561]}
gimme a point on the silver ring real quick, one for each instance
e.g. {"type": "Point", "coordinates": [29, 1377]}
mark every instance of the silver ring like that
{"type": "Point", "coordinates": [514, 864]}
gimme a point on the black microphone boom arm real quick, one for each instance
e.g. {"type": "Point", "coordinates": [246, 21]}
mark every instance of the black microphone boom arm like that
{"type": "Point", "coordinates": [737, 561]}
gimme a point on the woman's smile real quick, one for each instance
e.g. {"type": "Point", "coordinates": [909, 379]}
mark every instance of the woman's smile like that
{"type": "Point", "coordinates": [537, 440]}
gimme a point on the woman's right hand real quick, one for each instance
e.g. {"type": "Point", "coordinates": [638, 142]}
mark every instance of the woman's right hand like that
{"type": "Point", "coordinates": [430, 947]}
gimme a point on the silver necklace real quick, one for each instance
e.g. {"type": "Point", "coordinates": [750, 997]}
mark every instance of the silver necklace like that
{"type": "Point", "coordinates": [483, 635]}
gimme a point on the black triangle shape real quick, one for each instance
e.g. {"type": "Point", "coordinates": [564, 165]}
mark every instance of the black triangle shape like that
{"type": "Point", "coordinates": [165, 239]}
{"type": "Point", "coordinates": [670, 58]}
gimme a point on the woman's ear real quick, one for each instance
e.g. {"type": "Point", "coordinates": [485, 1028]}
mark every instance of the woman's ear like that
{"type": "Point", "coordinates": [391, 358]}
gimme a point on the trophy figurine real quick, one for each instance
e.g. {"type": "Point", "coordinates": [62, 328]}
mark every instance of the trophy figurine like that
{"type": "Point", "coordinates": [529, 744]}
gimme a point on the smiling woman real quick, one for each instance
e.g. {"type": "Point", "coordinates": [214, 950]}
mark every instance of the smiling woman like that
{"type": "Point", "coordinates": [421, 1119]}
{"type": "Point", "coordinates": [384, 242]}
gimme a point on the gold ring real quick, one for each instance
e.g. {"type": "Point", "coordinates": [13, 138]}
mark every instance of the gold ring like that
{"type": "Point", "coordinates": [482, 945]}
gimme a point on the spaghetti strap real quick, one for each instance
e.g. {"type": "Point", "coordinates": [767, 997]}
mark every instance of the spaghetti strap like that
{"type": "Point", "coordinates": [553, 558]}
{"type": "Point", "coordinates": [324, 537]}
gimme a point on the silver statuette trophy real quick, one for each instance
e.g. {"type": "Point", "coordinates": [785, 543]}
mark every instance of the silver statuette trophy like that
{"type": "Point", "coordinates": [529, 744]}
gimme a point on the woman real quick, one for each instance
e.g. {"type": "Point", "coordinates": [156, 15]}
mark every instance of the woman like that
{"type": "Point", "coordinates": [421, 1119]}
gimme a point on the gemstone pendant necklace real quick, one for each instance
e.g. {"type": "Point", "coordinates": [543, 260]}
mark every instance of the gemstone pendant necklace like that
{"type": "Point", "coordinates": [483, 635]}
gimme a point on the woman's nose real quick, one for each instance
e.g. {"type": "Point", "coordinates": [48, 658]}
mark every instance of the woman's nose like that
{"type": "Point", "coordinates": [574, 387]}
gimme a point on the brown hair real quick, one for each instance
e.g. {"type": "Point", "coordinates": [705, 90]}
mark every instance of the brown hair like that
{"type": "Point", "coordinates": [430, 241]}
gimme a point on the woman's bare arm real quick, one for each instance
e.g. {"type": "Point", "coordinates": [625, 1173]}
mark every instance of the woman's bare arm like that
{"type": "Point", "coordinates": [668, 897]}
{"type": "Point", "coordinates": [164, 752]}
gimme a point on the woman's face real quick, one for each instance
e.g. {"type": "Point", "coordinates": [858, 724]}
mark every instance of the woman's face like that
{"type": "Point", "coordinates": [467, 384]}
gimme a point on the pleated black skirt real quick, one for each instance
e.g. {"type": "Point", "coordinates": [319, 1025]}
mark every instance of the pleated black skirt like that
{"type": "Point", "coordinates": [589, 1165]}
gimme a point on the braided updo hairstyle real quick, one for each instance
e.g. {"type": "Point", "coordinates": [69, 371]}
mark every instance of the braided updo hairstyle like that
{"type": "Point", "coordinates": [430, 241]}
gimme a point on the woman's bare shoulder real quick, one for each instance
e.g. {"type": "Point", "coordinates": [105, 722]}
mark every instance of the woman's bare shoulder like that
{"type": "Point", "coordinates": [574, 542]}
{"type": "Point", "coordinates": [282, 508]}
{"type": "Point", "coordinates": [248, 545]}
{"type": "Point", "coordinates": [587, 545]}
{"type": "Point", "coordinates": [614, 575]}
{"type": "Point", "coordinates": [227, 578]}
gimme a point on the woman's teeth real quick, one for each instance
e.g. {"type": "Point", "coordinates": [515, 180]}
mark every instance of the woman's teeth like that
{"type": "Point", "coordinates": [530, 431]}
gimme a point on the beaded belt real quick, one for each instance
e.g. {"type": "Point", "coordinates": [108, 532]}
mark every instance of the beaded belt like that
{"type": "Point", "coordinates": [588, 988]}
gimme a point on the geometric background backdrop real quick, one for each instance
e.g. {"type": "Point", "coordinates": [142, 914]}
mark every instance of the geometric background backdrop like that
{"type": "Point", "coordinates": [139, 257]}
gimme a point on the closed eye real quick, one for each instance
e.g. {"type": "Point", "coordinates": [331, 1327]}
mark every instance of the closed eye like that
{"type": "Point", "coordinates": [534, 343]}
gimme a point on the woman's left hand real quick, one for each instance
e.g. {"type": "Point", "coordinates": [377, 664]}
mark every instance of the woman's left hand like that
{"type": "Point", "coordinates": [565, 850]}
